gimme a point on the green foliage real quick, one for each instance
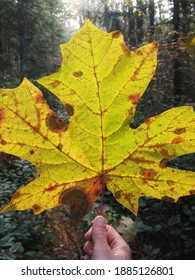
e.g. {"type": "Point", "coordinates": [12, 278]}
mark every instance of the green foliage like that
{"type": "Point", "coordinates": [165, 230]}
{"type": "Point", "coordinates": [30, 33]}
{"type": "Point", "coordinates": [22, 234]}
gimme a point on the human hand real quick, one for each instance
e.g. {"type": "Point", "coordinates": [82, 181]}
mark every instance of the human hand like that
{"type": "Point", "coordinates": [104, 243]}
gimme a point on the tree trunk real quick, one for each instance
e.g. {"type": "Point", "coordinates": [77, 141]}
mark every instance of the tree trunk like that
{"type": "Point", "coordinates": [151, 18]}
{"type": "Point", "coordinates": [131, 25]}
{"type": "Point", "coordinates": [177, 75]}
{"type": "Point", "coordinates": [139, 21]}
{"type": "Point", "coordinates": [185, 9]}
{"type": "Point", "coordinates": [22, 14]}
{"type": "Point", "coordinates": [176, 15]}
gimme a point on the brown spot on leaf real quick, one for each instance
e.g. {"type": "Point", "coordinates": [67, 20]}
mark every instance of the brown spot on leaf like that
{"type": "Point", "coordinates": [72, 92]}
{"type": "Point", "coordinates": [159, 145]}
{"type": "Point", "coordinates": [134, 98]}
{"type": "Point", "coordinates": [16, 195]}
{"type": "Point", "coordinates": [77, 202]}
{"type": "Point", "coordinates": [165, 153]}
{"type": "Point", "coordinates": [192, 192]}
{"type": "Point", "coordinates": [168, 199]}
{"type": "Point", "coordinates": [59, 146]}
{"type": "Point", "coordinates": [2, 141]}
{"type": "Point", "coordinates": [17, 103]}
{"type": "Point", "coordinates": [155, 45]}
{"type": "Point", "coordinates": [39, 98]}
{"type": "Point", "coordinates": [11, 94]}
{"type": "Point", "coordinates": [20, 144]}
{"type": "Point", "coordinates": [170, 183]}
{"type": "Point", "coordinates": [55, 124]}
{"type": "Point", "coordinates": [135, 74]}
{"type": "Point", "coordinates": [163, 163]}
{"type": "Point", "coordinates": [148, 174]}
{"type": "Point", "coordinates": [78, 74]}
{"type": "Point", "coordinates": [179, 130]}
{"type": "Point", "coordinates": [35, 129]}
{"type": "Point", "coordinates": [51, 188]}
{"type": "Point", "coordinates": [2, 115]}
{"type": "Point", "coordinates": [116, 34]}
{"type": "Point", "coordinates": [128, 196]}
{"type": "Point", "coordinates": [177, 140]}
{"type": "Point", "coordinates": [32, 152]}
{"type": "Point", "coordinates": [125, 49]}
{"type": "Point", "coordinates": [138, 52]}
{"type": "Point", "coordinates": [137, 71]}
{"type": "Point", "coordinates": [45, 137]}
{"type": "Point", "coordinates": [69, 109]}
{"type": "Point", "coordinates": [148, 121]}
{"type": "Point", "coordinates": [36, 208]}
{"type": "Point", "coordinates": [140, 159]}
{"type": "Point", "coordinates": [55, 83]}
{"type": "Point", "coordinates": [118, 194]}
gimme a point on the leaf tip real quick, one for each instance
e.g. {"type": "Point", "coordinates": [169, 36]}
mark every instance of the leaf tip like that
{"type": "Point", "coordinates": [116, 34]}
{"type": "Point", "coordinates": [37, 209]}
{"type": "Point", "coordinates": [192, 192]}
{"type": "Point", "coordinates": [89, 24]}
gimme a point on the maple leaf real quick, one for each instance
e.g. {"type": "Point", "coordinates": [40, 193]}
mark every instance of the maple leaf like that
{"type": "Point", "coordinates": [100, 83]}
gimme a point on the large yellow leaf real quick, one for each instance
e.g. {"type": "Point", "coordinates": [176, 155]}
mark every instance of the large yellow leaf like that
{"type": "Point", "coordinates": [100, 83]}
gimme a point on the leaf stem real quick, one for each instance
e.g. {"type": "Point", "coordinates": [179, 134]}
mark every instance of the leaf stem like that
{"type": "Point", "coordinates": [102, 196]}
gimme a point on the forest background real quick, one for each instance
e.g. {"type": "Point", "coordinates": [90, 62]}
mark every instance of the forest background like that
{"type": "Point", "coordinates": [30, 34]}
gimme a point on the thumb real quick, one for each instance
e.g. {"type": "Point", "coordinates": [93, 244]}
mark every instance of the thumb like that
{"type": "Point", "coordinates": [99, 235]}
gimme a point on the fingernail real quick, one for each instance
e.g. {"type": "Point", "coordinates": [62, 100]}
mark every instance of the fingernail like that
{"type": "Point", "coordinates": [99, 220]}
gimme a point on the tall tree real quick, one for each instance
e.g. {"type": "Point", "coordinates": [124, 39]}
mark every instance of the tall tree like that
{"type": "Point", "coordinates": [176, 12]}
{"type": "Point", "coordinates": [131, 19]}
{"type": "Point", "coordinates": [23, 13]}
{"type": "Point", "coordinates": [139, 22]}
{"type": "Point", "coordinates": [151, 20]}
{"type": "Point", "coordinates": [177, 75]}
{"type": "Point", "coordinates": [8, 37]}
{"type": "Point", "coordinates": [30, 33]}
